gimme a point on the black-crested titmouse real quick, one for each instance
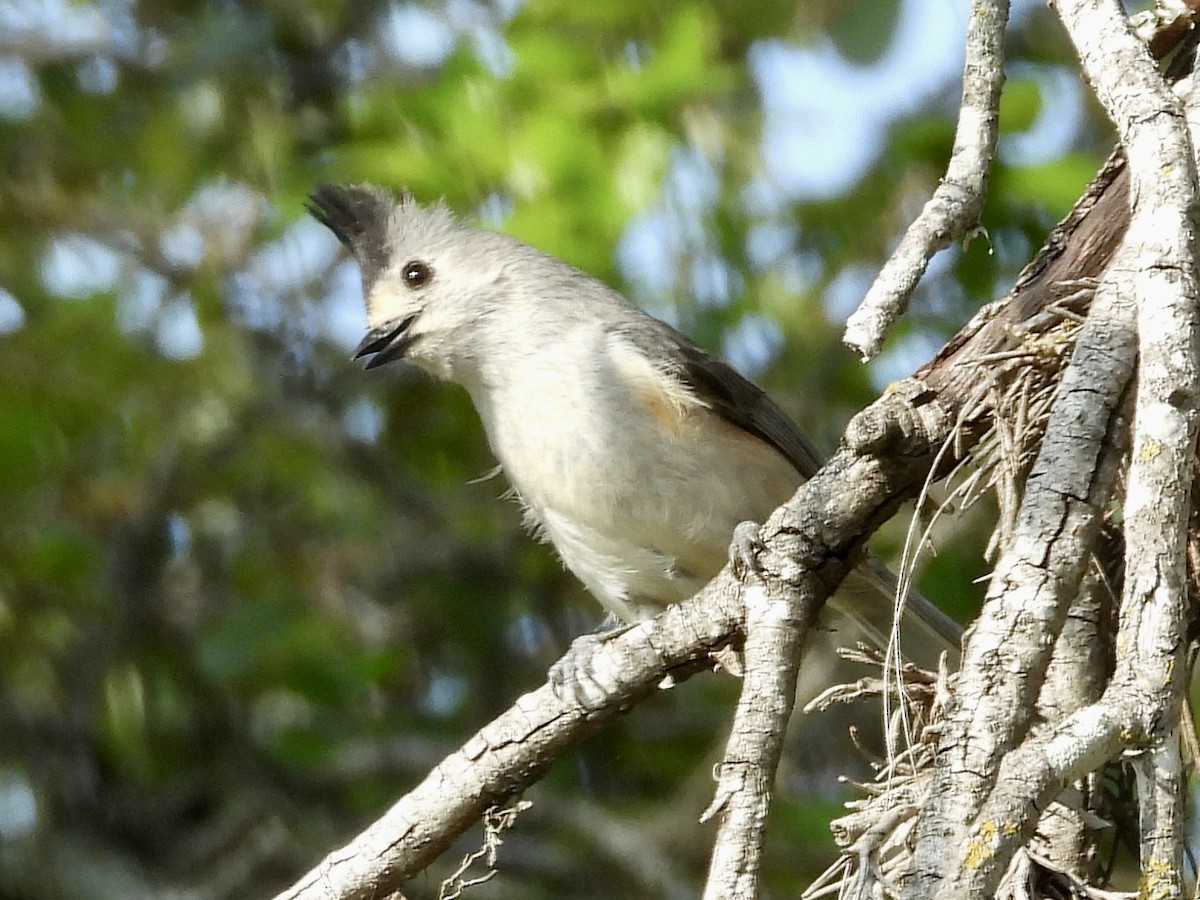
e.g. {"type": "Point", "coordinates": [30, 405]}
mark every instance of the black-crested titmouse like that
{"type": "Point", "coordinates": [633, 451]}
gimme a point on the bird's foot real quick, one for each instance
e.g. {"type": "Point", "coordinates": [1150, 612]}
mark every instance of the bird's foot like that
{"type": "Point", "coordinates": [572, 677]}
{"type": "Point", "coordinates": [744, 549]}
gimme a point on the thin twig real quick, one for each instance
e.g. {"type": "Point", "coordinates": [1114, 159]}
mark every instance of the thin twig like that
{"type": "Point", "coordinates": [953, 210]}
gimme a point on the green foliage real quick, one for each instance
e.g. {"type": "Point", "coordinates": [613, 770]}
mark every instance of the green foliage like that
{"type": "Point", "coordinates": [228, 612]}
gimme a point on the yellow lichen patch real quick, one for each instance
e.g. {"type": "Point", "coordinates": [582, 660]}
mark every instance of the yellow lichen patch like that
{"type": "Point", "coordinates": [1159, 881]}
{"type": "Point", "coordinates": [1150, 449]}
{"type": "Point", "coordinates": [982, 845]}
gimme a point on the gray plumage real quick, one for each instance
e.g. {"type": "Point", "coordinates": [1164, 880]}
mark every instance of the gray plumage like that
{"type": "Point", "coordinates": [633, 451]}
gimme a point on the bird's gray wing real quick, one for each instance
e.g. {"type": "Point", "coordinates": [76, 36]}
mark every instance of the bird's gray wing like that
{"type": "Point", "coordinates": [723, 390]}
{"type": "Point", "coordinates": [867, 593]}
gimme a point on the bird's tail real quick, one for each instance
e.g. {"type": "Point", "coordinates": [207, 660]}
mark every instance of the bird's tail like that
{"type": "Point", "coordinates": [870, 596]}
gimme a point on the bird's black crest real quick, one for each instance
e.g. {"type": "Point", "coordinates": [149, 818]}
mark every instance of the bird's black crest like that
{"type": "Point", "coordinates": [358, 214]}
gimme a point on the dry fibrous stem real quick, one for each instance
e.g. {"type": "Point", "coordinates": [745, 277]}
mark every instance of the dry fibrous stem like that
{"type": "Point", "coordinates": [875, 834]}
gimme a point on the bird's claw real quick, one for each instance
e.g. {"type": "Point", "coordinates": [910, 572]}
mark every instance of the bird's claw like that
{"type": "Point", "coordinates": [744, 549]}
{"type": "Point", "coordinates": [573, 678]}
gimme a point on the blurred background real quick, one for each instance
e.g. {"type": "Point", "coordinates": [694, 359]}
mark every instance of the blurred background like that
{"type": "Point", "coordinates": [250, 594]}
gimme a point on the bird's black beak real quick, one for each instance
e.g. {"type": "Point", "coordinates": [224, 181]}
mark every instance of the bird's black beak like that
{"type": "Point", "coordinates": [387, 343]}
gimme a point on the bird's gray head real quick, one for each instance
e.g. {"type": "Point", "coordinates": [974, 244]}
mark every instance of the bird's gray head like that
{"type": "Point", "coordinates": [430, 281]}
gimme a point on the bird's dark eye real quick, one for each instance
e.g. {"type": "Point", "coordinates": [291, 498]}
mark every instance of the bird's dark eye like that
{"type": "Point", "coordinates": [416, 273]}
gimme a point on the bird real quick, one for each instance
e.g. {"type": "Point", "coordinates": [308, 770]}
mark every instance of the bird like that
{"type": "Point", "coordinates": [632, 450]}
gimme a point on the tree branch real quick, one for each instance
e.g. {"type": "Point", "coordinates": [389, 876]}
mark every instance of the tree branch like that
{"type": "Point", "coordinates": [1162, 821]}
{"type": "Point", "coordinates": [516, 748]}
{"type": "Point", "coordinates": [1157, 262]}
{"type": "Point", "coordinates": [886, 456]}
{"type": "Point", "coordinates": [808, 542]}
{"type": "Point", "coordinates": [953, 210]}
{"type": "Point", "coordinates": [777, 621]}
{"type": "Point", "coordinates": [1007, 653]}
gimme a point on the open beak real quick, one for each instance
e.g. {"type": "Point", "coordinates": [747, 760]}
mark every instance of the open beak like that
{"type": "Point", "coordinates": [387, 343]}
